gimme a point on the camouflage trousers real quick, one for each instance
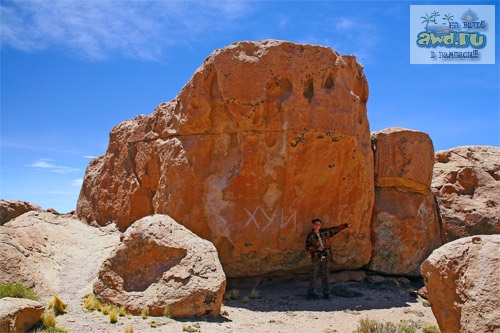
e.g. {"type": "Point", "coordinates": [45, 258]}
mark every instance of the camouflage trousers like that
{"type": "Point", "coordinates": [324, 266]}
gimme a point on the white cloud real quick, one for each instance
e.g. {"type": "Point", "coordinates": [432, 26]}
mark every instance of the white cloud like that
{"type": "Point", "coordinates": [42, 164]}
{"type": "Point", "coordinates": [353, 35]}
{"type": "Point", "coordinates": [77, 182]}
{"type": "Point", "coordinates": [344, 24]}
{"type": "Point", "coordinates": [96, 29]}
{"type": "Point", "coordinates": [45, 163]}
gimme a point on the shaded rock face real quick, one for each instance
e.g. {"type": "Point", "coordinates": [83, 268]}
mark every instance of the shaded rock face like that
{"type": "Point", "coordinates": [263, 138]}
{"type": "Point", "coordinates": [10, 209]}
{"type": "Point", "coordinates": [466, 183]}
{"type": "Point", "coordinates": [162, 265]}
{"type": "Point", "coordinates": [405, 224]}
{"type": "Point", "coordinates": [19, 315]}
{"type": "Point", "coordinates": [462, 281]}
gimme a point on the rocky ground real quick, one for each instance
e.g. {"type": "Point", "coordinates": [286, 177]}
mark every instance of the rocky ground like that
{"type": "Point", "coordinates": [68, 255]}
{"type": "Point", "coordinates": [279, 307]}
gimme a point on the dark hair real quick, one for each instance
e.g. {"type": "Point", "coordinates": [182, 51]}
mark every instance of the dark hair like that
{"type": "Point", "coordinates": [316, 220]}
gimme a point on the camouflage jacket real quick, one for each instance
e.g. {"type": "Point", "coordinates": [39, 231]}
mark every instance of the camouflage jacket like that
{"type": "Point", "coordinates": [312, 242]}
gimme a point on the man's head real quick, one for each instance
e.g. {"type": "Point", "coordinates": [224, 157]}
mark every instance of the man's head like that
{"type": "Point", "coordinates": [316, 224]}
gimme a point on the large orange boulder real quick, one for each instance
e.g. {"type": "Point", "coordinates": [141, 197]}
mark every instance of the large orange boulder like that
{"type": "Point", "coordinates": [467, 186]}
{"type": "Point", "coordinates": [405, 223]}
{"type": "Point", "coordinates": [264, 137]}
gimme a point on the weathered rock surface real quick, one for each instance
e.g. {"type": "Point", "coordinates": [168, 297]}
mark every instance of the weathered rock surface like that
{"type": "Point", "coordinates": [53, 254]}
{"type": "Point", "coordinates": [405, 224]}
{"type": "Point", "coordinates": [10, 209]}
{"type": "Point", "coordinates": [467, 186]}
{"type": "Point", "coordinates": [18, 314]}
{"type": "Point", "coordinates": [463, 283]}
{"type": "Point", "coordinates": [263, 138]}
{"type": "Point", "coordinates": [162, 265]}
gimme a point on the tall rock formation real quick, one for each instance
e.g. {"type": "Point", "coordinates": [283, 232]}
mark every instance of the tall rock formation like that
{"type": "Point", "coordinates": [467, 186]}
{"type": "Point", "coordinates": [405, 224]}
{"type": "Point", "coordinates": [264, 137]}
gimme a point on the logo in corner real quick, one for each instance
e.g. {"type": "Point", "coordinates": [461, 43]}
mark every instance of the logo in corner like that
{"type": "Point", "coordinates": [452, 34]}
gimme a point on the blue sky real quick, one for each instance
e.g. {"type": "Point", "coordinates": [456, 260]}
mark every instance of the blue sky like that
{"type": "Point", "coordinates": [72, 70]}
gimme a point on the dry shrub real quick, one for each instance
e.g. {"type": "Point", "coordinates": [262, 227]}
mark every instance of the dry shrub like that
{"type": "Point", "coordinates": [233, 294]}
{"type": "Point", "coordinates": [113, 315]}
{"type": "Point", "coordinates": [145, 312]}
{"type": "Point", "coordinates": [122, 312]}
{"type": "Point", "coordinates": [254, 294]}
{"type": "Point", "coordinates": [48, 319]}
{"type": "Point", "coordinates": [91, 303]}
{"type": "Point", "coordinates": [430, 328]}
{"type": "Point", "coordinates": [57, 305]}
{"type": "Point", "coordinates": [106, 309]}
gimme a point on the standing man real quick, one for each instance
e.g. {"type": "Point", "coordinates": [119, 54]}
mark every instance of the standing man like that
{"type": "Point", "coordinates": [318, 244]}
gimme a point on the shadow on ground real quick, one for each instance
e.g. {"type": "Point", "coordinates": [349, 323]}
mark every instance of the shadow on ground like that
{"type": "Point", "coordinates": [348, 296]}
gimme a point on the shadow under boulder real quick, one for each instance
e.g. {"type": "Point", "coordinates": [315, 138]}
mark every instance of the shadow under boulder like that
{"type": "Point", "coordinates": [163, 266]}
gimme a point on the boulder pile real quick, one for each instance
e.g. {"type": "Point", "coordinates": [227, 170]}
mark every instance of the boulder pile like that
{"type": "Point", "coordinates": [265, 137]}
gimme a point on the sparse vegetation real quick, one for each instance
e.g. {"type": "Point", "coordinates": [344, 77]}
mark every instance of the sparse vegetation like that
{"type": "Point", "coordinates": [48, 323]}
{"type": "Point", "coordinates": [430, 328]}
{"type": "Point", "coordinates": [122, 312]}
{"type": "Point", "coordinates": [51, 330]}
{"type": "Point", "coordinates": [166, 312]}
{"type": "Point", "coordinates": [113, 315]}
{"type": "Point", "coordinates": [404, 326]}
{"type": "Point", "coordinates": [91, 303]}
{"type": "Point", "coordinates": [57, 305]}
{"type": "Point", "coordinates": [106, 309]}
{"type": "Point", "coordinates": [254, 294]}
{"type": "Point", "coordinates": [145, 312]}
{"type": "Point", "coordinates": [129, 329]}
{"type": "Point", "coordinates": [17, 290]}
{"type": "Point", "coordinates": [232, 295]}
{"type": "Point", "coordinates": [48, 318]}
{"type": "Point", "coordinates": [245, 299]}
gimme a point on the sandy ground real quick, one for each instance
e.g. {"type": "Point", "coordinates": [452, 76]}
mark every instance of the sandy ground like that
{"type": "Point", "coordinates": [279, 307]}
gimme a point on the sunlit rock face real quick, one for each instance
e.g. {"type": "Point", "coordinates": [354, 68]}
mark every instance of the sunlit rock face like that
{"type": "Point", "coordinates": [462, 283]}
{"type": "Point", "coordinates": [405, 224]}
{"type": "Point", "coordinates": [161, 265]}
{"type": "Point", "coordinates": [467, 186]}
{"type": "Point", "coordinates": [264, 137]}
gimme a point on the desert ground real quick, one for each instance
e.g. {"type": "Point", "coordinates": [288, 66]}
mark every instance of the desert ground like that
{"type": "Point", "coordinates": [278, 307]}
